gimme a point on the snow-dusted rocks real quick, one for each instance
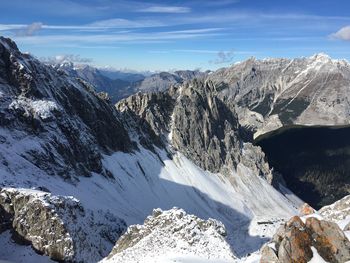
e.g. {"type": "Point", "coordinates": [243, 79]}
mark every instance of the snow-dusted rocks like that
{"type": "Point", "coordinates": [338, 211]}
{"type": "Point", "coordinates": [166, 234]}
{"type": "Point", "coordinates": [39, 109]}
{"type": "Point", "coordinates": [58, 226]}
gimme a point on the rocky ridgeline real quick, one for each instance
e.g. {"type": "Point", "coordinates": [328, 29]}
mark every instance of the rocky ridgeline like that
{"type": "Point", "coordinates": [58, 226]}
{"type": "Point", "coordinates": [70, 122]}
{"type": "Point", "coordinates": [172, 232]}
{"type": "Point", "coordinates": [271, 93]}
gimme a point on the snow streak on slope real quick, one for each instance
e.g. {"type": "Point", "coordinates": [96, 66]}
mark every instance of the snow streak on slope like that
{"type": "Point", "coordinates": [16, 253]}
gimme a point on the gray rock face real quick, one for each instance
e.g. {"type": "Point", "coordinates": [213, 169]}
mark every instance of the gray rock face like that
{"type": "Point", "coordinates": [204, 128]}
{"type": "Point", "coordinates": [58, 226]}
{"type": "Point", "coordinates": [293, 242]}
{"type": "Point", "coordinates": [148, 115]}
{"type": "Point", "coordinates": [70, 122]}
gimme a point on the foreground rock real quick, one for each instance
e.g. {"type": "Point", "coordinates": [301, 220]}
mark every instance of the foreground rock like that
{"type": "Point", "coordinates": [172, 232]}
{"type": "Point", "coordinates": [296, 241]}
{"type": "Point", "coordinates": [57, 226]}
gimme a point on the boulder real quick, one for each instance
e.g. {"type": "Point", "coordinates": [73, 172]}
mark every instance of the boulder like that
{"type": "Point", "coordinates": [293, 242]}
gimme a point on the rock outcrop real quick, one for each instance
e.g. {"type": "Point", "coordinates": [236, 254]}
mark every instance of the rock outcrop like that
{"type": "Point", "coordinates": [294, 241]}
{"type": "Point", "coordinates": [58, 226]}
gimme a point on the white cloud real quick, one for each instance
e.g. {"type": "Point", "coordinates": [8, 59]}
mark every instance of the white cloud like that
{"type": "Point", "coordinates": [166, 9]}
{"type": "Point", "coordinates": [343, 34]}
{"type": "Point", "coordinates": [29, 30]}
{"type": "Point", "coordinates": [66, 57]}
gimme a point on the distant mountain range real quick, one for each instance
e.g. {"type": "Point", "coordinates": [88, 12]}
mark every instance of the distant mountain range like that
{"type": "Point", "coordinates": [120, 84]}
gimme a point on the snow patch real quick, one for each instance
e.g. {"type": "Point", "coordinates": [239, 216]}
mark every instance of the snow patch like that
{"type": "Point", "coordinates": [42, 109]}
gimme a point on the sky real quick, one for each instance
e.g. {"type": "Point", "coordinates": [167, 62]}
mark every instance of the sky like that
{"type": "Point", "coordinates": [167, 35]}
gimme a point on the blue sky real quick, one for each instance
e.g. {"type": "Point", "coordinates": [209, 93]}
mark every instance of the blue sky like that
{"type": "Point", "coordinates": [165, 35]}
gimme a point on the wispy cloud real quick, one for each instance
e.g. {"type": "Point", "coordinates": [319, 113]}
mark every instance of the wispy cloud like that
{"type": "Point", "coordinates": [165, 9]}
{"type": "Point", "coordinates": [342, 34]}
{"type": "Point", "coordinates": [29, 30]}
{"type": "Point", "coordinates": [67, 57]}
{"type": "Point", "coordinates": [134, 37]}
{"type": "Point", "coordinates": [223, 57]}
{"type": "Point", "coordinates": [125, 23]}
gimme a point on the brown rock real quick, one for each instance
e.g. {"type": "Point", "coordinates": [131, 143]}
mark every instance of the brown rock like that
{"type": "Point", "coordinates": [296, 243]}
{"type": "Point", "coordinates": [306, 209]}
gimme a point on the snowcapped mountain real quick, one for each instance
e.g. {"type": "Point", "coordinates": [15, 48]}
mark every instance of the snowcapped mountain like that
{"type": "Point", "coordinates": [76, 172]}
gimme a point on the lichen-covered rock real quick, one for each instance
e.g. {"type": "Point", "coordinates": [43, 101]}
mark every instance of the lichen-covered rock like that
{"type": "Point", "coordinates": [173, 231]}
{"type": "Point", "coordinates": [293, 242]}
{"type": "Point", "coordinates": [329, 240]}
{"type": "Point", "coordinates": [59, 226]}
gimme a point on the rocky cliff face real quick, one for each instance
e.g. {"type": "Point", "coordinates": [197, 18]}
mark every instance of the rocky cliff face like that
{"type": "Point", "coordinates": [71, 124]}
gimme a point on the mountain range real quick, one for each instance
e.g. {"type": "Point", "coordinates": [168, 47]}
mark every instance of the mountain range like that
{"type": "Point", "coordinates": [171, 171]}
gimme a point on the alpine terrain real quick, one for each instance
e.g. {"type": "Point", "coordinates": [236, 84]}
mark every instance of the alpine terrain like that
{"type": "Point", "coordinates": [168, 168]}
